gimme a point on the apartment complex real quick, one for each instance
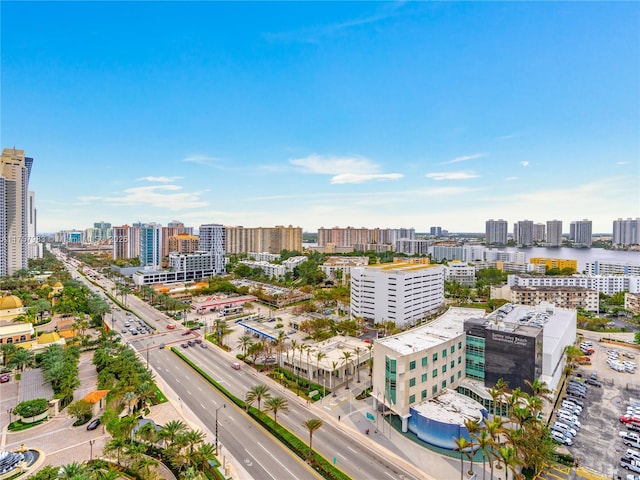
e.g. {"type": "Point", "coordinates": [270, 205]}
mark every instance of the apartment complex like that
{"type": "Point", "coordinates": [276, 270]}
{"type": "Point", "coordinates": [554, 233]}
{"type": "Point", "coordinates": [400, 292]}
{"type": "Point", "coordinates": [580, 233]}
{"type": "Point", "coordinates": [332, 265]}
{"type": "Point", "coordinates": [262, 239]}
{"type": "Point", "coordinates": [15, 169]}
{"type": "Point", "coordinates": [608, 284]}
{"type": "Point", "coordinates": [212, 239]}
{"type": "Point", "coordinates": [150, 253]}
{"type": "Point", "coordinates": [560, 296]}
{"type": "Point", "coordinates": [496, 232]}
{"type": "Point", "coordinates": [626, 232]}
{"type": "Point", "coordinates": [523, 233]}
{"type": "Point", "coordinates": [559, 263]}
{"type": "Point", "coordinates": [612, 268]}
{"type": "Point", "coordinates": [34, 247]}
{"type": "Point", "coordinates": [350, 236]}
{"type": "Point", "coordinates": [183, 243]}
{"type": "Point", "coordinates": [460, 272]}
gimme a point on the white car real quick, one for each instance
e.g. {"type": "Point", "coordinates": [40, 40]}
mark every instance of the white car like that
{"type": "Point", "coordinates": [560, 438]}
{"type": "Point", "coordinates": [631, 453]}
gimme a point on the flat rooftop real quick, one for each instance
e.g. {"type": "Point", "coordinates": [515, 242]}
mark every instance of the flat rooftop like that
{"type": "Point", "coordinates": [450, 407]}
{"type": "Point", "coordinates": [444, 328]}
{"type": "Point", "coordinates": [401, 267]}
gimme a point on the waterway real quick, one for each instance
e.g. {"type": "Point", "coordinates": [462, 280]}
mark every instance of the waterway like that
{"type": "Point", "coordinates": [582, 255]}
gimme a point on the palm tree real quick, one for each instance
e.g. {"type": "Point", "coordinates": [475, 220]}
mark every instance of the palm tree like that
{"type": "Point", "coordinates": [312, 425]}
{"type": "Point", "coordinates": [8, 351]}
{"type": "Point", "coordinates": [495, 428]}
{"type": "Point", "coordinates": [280, 339]}
{"type": "Point", "coordinates": [147, 433]}
{"type": "Point", "coordinates": [497, 394]}
{"type": "Point", "coordinates": [72, 471]}
{"type": "Point", "coordinates": [21, 358]}
{"type": "Point", "coordinates": [193, 438]}
{"type": "Point", "coordinates": [171, 430]}
{"type": "Point", "coordinates": [484, 443]}
{"type": "Point", "coordinates": [319, 356]}
{"type": "Point", "coordinates": [334, 365]}
{"type": "Point", "coordinates": [540, 389]}
{"type": "Point", "coordinates": [346, 358]}
{"type": "Point", "coordinates": [202, 454]}
{"type": "Point", "coordinates": [244, 342]}
{"type": "Point", "coordinates": [510, 459]}
{"type": "Point", "coordinates": [462, 445]}
{"type": "Point", "coordinates": [115, 446]}
{"type": "Point", "coordinates": [358, 350]}
{"type": "Point", "coordinates": [275, 405]}
{"type": "Point", "coordinates": [473, 427]}
{"type": "Point", "coordinates": [257, 394]}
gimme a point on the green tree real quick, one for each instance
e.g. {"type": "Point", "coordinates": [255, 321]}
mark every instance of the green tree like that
{"type": "Point", "coordinates": [312, 425]}
{"type": "Point", "coordinates": [462, 446]}
{"type": "Point", "coordinates": [21, 358]}
{"type": "Point", "coordinates": [258, 393]}
{"type": "Point", "coordinates": [275, 405]}
{"type": "Point", "coordinates": [80, 410]}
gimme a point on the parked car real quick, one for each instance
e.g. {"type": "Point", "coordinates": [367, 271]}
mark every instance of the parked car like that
{"type": "Point", "coordinates": [594, 382]}
{"type": "Point", "coordinates": [633, 454]}
{"type": "Point", "coordinates": [560, 438]}
{"type": "Point", "coordinates": [575, 400]}
{"type": "Point", "coordinates": [4, 378]}
{"type": "Point", "coordinates": [629, 418]}
{"type": "Point", "coordinates": [93, 424]}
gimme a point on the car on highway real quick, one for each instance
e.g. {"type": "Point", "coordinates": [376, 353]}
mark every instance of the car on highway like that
{"type": "Point", "coordinates": [171, 327]}
{"type": "Point", "coordinates": [4, 378]}
{"type": "Point", "coordinates": [184, 345]}
{"type": "Point", "coordinates": [187, 332]}
{"type": "Point", "coordinates": [203, 345]}
{"type": "Point", "coordinates": [235, 366]}
{"type": "Point", "coordinates": [93, 424]}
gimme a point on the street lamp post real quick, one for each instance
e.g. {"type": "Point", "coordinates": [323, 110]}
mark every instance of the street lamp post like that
{"type": "Point", "coordinates": [9, 411]}
{"type": "Point", "coordinates": [324, 388]}
{"type": "Point", "coordinates": [91, 442]}
{"type": "Point", "coordinates": [222, 406]}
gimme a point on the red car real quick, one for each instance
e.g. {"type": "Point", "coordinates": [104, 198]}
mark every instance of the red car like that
{"type": "Point", "coordinates": [628, 419]}
{"type": "Point", "coordinates": [171, 327]}
{"type": "Point", "coordinates": [187, 332]}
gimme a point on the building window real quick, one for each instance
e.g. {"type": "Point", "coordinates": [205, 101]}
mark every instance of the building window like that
{"type": "Point", "coordinates": [459, 345]}
{"type": "Point", "coordinates": [412, 399]}
{"type": "Point", "coordinates": [459, 374]}
{"type": "Point", "coordinates": [434, 389]}
{"type": "Point", "coordinates": [444, 384]}
{"type": "Point", "coordinates": [453, 348]}
{"type": "Point", "coordinates": [424, 361]}
{"type": "Point", "coordinates": [453, 363]}
{"type": "Point", "coordinates": [459, 360]}
{"type": "Point", "coordinates": [444, 368]}
{"type": "Point", "coordinates": [444, 353]}
{"type": "Point", "coordinates": [435, 357]}
{"type": "Point", "coordinates": [412, 365]}
{"type": "Point", "coordinates": [423, 394]}
{"type": "Point", "coordinates": [451, 380]}
{"type": "Point", "coordinates": [434, 373]}
{"type": "Point", "coordinates": [412, 382]}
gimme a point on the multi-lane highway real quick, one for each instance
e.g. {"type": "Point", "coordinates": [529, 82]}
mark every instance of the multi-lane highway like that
{"type": "Point", "coordinates": [261, 455]}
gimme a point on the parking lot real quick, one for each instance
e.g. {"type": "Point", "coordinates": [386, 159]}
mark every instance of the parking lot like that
{"type": "Point", "coordinates": [597, 444]}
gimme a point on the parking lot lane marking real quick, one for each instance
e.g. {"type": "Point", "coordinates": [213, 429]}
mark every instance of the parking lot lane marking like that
{"type": "Point", "coordinates": [188, 392]}
{"type": "Point", "coordinates": [387, 473]}
{"type": "Point", "coordinates": [352, 450]}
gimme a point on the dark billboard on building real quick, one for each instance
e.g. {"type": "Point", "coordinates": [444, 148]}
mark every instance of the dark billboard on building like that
{"type": "Point", "coordinates": [514, 357]}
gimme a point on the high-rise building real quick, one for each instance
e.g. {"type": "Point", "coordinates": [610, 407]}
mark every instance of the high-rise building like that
{"type": "Point", "coordinates": [539, 232]}
{"type": "Point", "coordinates": [150, 245]}
{"type": "Point", "coordinates": [496, 232]}
{"type": "Point", "coordinates": [103, 230]}
{"type": "Point", "coordinates": [15, 169]}
{"type": "Point", "coordinates": [120, 239]}
{"type": "Point", "coordinates": [34, 247]}
{"type": "Point", "coordinates": [626, 232]}
{"type": "Point", "coordinates": [554, 233]}
{"type": "Point", "coordinates": [262, 239]}
{"type": "Point", "coordinates": [523, 232]}
{"type": "Point", "coordinates": [580, 233]}
{"type": "Point", "coordinates": [212, 239]}
{"type": "Point", "coordinates": [352, 237]}
{"type": "Point", "coordinates": [183, 243]}
{"type": "Point", "coordinates": [435, 231]}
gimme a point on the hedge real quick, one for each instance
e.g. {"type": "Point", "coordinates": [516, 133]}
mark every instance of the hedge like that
{"type": "Point", "coordinates": [299, 447]}
{"type": "Point", "coordinates": [31, 408]}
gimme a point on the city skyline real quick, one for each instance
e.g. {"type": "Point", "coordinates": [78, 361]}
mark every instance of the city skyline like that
{"type": "Point", "coordinates": [398, 115]}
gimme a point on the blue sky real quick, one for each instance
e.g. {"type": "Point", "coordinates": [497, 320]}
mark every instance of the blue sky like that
{"type": "Point", "coordinates": [325, 114]}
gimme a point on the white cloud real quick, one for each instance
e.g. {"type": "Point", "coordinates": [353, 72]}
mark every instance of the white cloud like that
{"type": "Point", "coordinates": [622, 163]}
{"type": "Point", "coordinates": [356, 178]}
{"type": "Point", "coordinates": [343, 169]}
{"type": "Point", "coordinates": [438, 176]}
{"type": "Point", "coordinates": [161, 196]}
{"type": "Point", "coordinates": [466, 158]}
{"type": "Point", "coordinates": [202, 160]}
{"type": "Point", "coordinates": [159, 179]}
{"type": "Point", "coordinates": [524, 163]}
{"type": "Point", "coordinates": [510, 179]}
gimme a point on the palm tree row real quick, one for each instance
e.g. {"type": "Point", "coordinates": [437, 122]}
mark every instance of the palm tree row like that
{"type": "Point", "coordinates": [520, 439]}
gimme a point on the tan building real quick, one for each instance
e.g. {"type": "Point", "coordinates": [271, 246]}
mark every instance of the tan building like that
{"type": "Point", "coordinates": [183, 243]}
{"type": "Point", "coordinates": [559, 263]}
{"type": "Point", "coordinates": [262, 239]}
{"type": "Point", "coordinates": [563, 297]}
{"type": "Point", "coordinates": [632, 302]}
{"type": "Point", "coordinates": [15, 169]}
{"type": "Point", "coordinates": [16, 333]}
